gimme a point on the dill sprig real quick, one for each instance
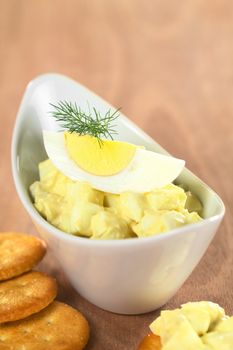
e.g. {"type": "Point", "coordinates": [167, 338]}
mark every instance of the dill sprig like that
{"type": "Point", "coordinates": [71, 117]}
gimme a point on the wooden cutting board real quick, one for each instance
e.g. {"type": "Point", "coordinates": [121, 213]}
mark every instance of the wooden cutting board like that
{"type": "Point", "coordinates": [168, 64]}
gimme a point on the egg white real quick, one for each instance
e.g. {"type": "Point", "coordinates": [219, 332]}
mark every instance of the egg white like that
{"type": "Point", "coordinates": [147, 170]}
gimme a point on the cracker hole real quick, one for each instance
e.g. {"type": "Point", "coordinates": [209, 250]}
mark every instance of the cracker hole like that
{"type": "Point", "coordinates": [2, 339]}
{"type": "Point", "coordinates": [26, 331]}
{"type": "Point", "coordinates": [46, 339]}
{"type": "Point", "coordinates": [22, 284]}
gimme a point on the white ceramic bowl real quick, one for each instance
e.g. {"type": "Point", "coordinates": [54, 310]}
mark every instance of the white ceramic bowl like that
{"type": "Point", "coordinates": [126, 276]}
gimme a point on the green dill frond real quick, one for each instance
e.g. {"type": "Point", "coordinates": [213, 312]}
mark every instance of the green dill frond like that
{"type": "Point", "coordinates": [72, 118]}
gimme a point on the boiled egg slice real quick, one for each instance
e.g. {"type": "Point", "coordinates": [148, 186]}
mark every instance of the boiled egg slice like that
{"type": "Point", "coordinates": [111, 166]}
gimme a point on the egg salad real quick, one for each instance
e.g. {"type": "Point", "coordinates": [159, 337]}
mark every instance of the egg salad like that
{"type": "Point", "coordinates": [195, 326]}
{"type": "Point", "coordinates": [77, 208]}
{"type": "Point", "coordinates": [96, 187]}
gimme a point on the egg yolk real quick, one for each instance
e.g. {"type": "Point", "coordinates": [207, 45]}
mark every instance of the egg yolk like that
{"type": "Point", "coordinates": [101, 158]}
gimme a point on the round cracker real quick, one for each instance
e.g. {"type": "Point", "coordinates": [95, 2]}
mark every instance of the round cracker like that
{"type": "Point", "coordinates": [19, 253]}
{"type": "Point", "coordinates": [25, 295]}
{"type": "Point", "coordinates": [59, 327]}
{"type": "Point", "coordinates": [150, 342]}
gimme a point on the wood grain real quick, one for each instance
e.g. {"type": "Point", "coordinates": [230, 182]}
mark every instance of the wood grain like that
{"type": "Point", "coordinates": [169, 65]}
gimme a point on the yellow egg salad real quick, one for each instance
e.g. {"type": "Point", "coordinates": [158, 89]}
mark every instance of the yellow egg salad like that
{"type": "Point", "coordinates": [96, 187]}
{"type": "Point", "coordinates": [195, 326]}
{"type": "Point", "coordinates": [76, 208]}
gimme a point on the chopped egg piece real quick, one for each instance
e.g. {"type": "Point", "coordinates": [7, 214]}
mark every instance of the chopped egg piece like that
{"type": "Point", "coordinates": [81, 216]}
{"type": "Point", "coordinates": [202, 316]}
{"type": "Point", "coordinates": [132, 206]}
{"type": "Point", "coordinates": [107, 225]}
{"type": "Point", "coordinates": [226, 324]}
{"type": "Point", "coordinates": [192, 203]}
{"type": "Point", "coordinates": [169, 197]}
{"type": "Point", "coordinates": [154, 222]}
{"type": "Point", "coordinates": [218, 340]}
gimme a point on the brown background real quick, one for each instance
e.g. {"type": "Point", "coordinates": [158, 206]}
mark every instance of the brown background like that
{"type": "Point", "coordinates": [169, 64]}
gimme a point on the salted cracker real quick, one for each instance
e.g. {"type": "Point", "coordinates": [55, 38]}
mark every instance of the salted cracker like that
{"type": "Point", "coordinates": [19, 253]}
{"type": "Point", "coordinates": [58, 326]}
{"type": "Point", "coordinates": [25, 295]}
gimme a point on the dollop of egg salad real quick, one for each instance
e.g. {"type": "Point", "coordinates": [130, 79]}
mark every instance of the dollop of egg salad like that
{"type": "Point", "coordinates": [199, 325]}
{"type": "Point", "coordinates": [100, 188]}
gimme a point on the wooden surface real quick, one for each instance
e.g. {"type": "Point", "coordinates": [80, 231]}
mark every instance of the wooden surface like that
{"type": "Point", "coordinates": [169, 64]}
